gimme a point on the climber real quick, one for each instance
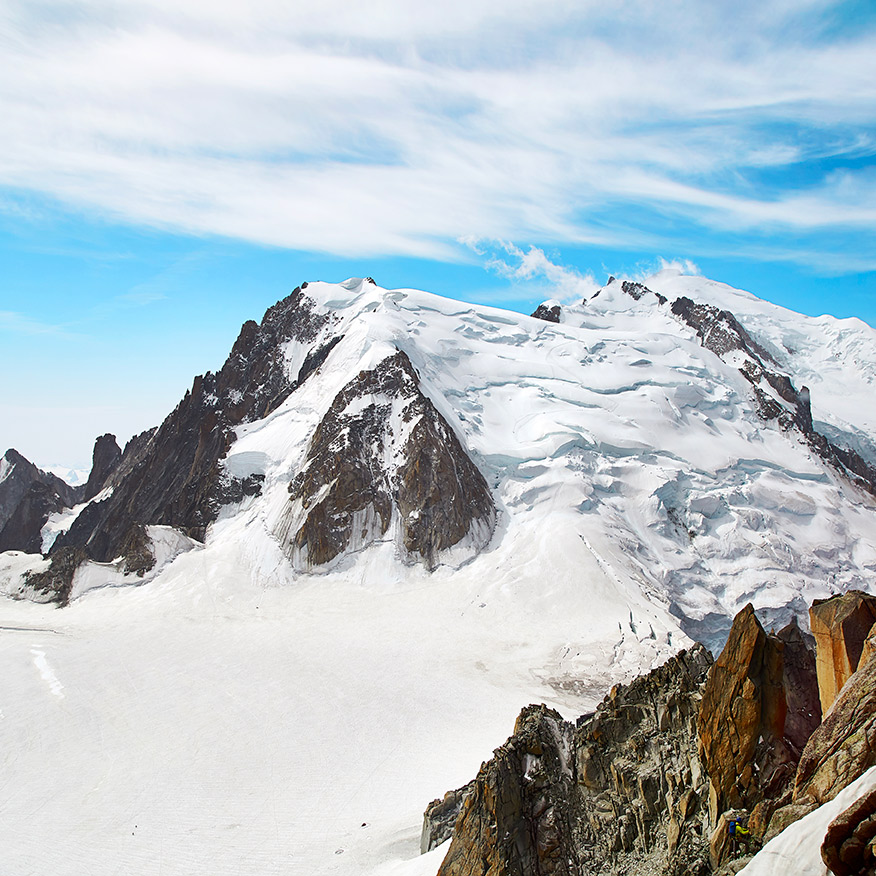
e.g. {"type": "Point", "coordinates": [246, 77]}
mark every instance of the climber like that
{"type": "Point", "coordinates": [739, 835]}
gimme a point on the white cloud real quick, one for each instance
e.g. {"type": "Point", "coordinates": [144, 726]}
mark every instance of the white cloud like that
{"type": "Point", "coordinates": [398, 127]}
{"type": "Point", "coordinates": [532, 266]}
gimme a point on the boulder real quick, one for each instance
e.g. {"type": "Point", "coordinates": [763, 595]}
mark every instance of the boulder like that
{"type": "Point", "coordinates": [840, 626]}
{"type": "Point", "coordinates": [848, 847]}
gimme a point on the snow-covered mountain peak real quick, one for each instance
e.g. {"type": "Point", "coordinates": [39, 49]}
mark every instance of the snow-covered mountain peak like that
{"type": "Point", "coordinates": [385, 523]}
{"type": "Point", "coordinates": [670, 437]}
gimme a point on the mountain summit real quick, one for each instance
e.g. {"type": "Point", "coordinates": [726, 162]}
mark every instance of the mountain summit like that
{"type": "Point", "coordinates": [683, 440]}
{"type": "Point", "coordinates": [387, 521]}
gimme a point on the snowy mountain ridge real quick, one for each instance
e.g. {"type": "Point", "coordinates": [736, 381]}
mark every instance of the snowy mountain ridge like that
{"type": "Point", "coordinates": [615, 427]}
{"type": "Point", "coordinates": [419, 514]}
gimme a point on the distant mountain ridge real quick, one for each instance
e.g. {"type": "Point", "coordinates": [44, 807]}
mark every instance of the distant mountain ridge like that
{"type": "Point", "coordinates": [657, 438]}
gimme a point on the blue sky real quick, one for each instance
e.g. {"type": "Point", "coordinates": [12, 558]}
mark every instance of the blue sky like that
{"type": "Point", "coordinates": [168, 170]}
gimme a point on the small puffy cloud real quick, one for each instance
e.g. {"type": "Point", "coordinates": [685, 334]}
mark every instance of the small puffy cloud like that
{"type": "Point", "coordinates": [533, 267]}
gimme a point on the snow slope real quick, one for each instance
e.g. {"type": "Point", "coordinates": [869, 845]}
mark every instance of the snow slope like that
{"type": "Point", "coordinates": [797, 849]}
{"type": "Point", "coordinates": [232, 715]}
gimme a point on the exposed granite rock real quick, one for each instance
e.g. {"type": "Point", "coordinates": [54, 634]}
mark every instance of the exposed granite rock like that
{"type": "Point", "coordinates": [383, 451]}
{"type": "Point", "coordinates": [800, 682]}
{"type": "Point", "coordinates": [172, 475]}
{"type": "Point", "coordinates": [844, 746]}
{"type": "Point", "coordinates": [440, 816]}
{"type": "Point", "coordinates": [549, 314]}
{"type": "Point", "coordinates": [105, 460]}
{"type": "Point", "coordinates": [139, 558]}
{"type": "Point", "coordinates": [517, 819]}
{"type": "Point", "coordinates": [621, 794]}
{"type": "Point", "coordinates": [749, 747]}
{"type": "Point", "coordinates": [869, 648]}
{"type": "Point", "coordinates": [840, 625]}
{"type": "Point", "coordinates": [28, 496]}
{"type": "Point", "coordinates": [848, 847]}
{"type": "Point", "coordinates": [638, 291]}
{"type": "Point", "coordinates": [641, 785]}
{"type": "Point", "coordinates": [56, 582]}
{"type": "Point", "coordinates": [720, 332]}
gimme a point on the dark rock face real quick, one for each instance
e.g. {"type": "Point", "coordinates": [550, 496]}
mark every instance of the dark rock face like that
{"type": "Point", "coordinates": [55, 584]}
{"type": "Point", "coordinates": [720, 332]}
{"type": "Point", "coordinates": [104, 461]}
{"type": "Point", "coordinates": [800, 683]}
{"type": "Point", "coordinates": [840, 625]}
{"type": "Point", "coordinates": [624, 793]}
{"type": "Point", "coordinates": [517, 819]}
{"type": "Point", "coordinates": [549, 314]}
{"type": "Point", "coordinates": [172, 475]}
{"type": "Point", "coordinates": [638, 291]}
{"type": "Point", "coordinates": [346, 495]}
{"type": "Point", "coordinates": [28, 496]}
{"type": "Point", "coordinates": [749, 746]}
{"type": "Point", "coordinates": [848, 847]}
{"type": "Point", "coordinates": [137, 551]}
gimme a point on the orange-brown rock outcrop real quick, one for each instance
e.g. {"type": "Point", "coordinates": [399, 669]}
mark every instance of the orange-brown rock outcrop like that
{"type": "Point", "coordinates": [759, 708]}
{"type": "Point", "coordinates": [840, 626]}
{"type": "Point", "coordinates": [844, 746]}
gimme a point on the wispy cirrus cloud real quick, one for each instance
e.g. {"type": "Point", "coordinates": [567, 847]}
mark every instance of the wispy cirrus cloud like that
{"type": "Point", "coordinates": [12, 322]}
{"type": "Point", "coordinates": [398, 129]}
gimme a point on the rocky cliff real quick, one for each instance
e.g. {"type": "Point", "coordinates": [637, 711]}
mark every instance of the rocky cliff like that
{"type": "Point", "coordinates": [650, 782]}
{"type": "Point", "coordinates": [776, 396]}
{"type": "Point", "coordinates": [623, 792]}
{"type": "Point", "coordinates": [172, 476]}
{"type": "Point", "coordinates": [28, 496]}
{"type": "Point", "coordinates": [759, 708]}
{"type": "Point", "coordinates": [841, 626]}
{"type": "Point", "coordinates": [383, 452]}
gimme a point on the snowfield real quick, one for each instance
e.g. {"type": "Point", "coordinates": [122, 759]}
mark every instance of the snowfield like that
{"type": "Point", "coordinates": [201, 722]}
{"type": "Point", "coordinates": [227, 714]}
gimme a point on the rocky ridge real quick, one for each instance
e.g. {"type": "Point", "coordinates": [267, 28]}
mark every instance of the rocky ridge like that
{"type": "Point", "coordinates": [621, 792]}
{"type": "Point", "coordinates": [384, 452]}
{"type": "Point", "coordinates": [172, 475]}
{"type": "Point", "coordinates": [381, 455]}
{"type": "Point", "coordinates": [841, 628]}
{"type": "Point", "coordinates": [651, 781]}
{"type": "Point", "coordinates": [28, 496]}
{"type": "Point", "coordinates": [175, 475]}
